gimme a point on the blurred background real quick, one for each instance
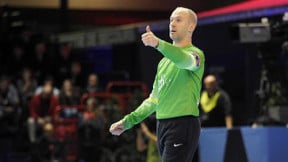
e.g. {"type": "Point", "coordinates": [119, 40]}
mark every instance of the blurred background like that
{"type": "Point", "coordinates": [85, 60]}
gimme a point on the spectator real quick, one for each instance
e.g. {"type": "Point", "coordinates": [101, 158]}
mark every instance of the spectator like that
{"type": "Point", "coordinates": [16, 60]}
{"type": "Point", "coordinates": [92, 84]}
{"type": "Point", "coordinates": [25, 36]}
{"type": "Point", "coordinates": [48, 80]}
{"type": "Point", "coordinates": [63, 62]}
{"type": "Point", "coordinates": [215, 105]}
{"type": "Point", "coordinates": [42, 109]}
{"type": "Point", "coordinates": [41, 61]}
{"type": "Point", "coordinates": [9, 103]}
{"type": "Point", "coordinates": [49, 147]}
{"type": "Point", "coordinates": [76, 75]}
{"type": "Point", "coordinates": [112, 111]}
{"type": "Point", "coordinates": [91, 131]}
{"type": "Point", "coordinates": [148, 133]}
{"type": "Point", "coordinates": [69, 95]}
{"type": "Point", "coordinates": [26, 86]}
{"type": "Point", "coordinates": [93, 116]}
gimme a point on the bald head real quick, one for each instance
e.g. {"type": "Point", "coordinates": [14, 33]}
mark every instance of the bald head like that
{"type": "Point", "coordinates": [210, 79]}
{"type": "Point", "coordinates": [210, 83]}
{"type": "Point", "coordinates": [182, 24]}
{"type": "Point", "coordinates": [93, 80]}
{"type": "Point", "coordinates": [192, 15]}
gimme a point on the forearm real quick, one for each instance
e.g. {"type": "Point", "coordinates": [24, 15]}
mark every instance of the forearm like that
{"type": "Point", "coordinates": [229, 121]}
{"type": "Point", "coordinates": [151, 136]}
{"type": "Point", "coordinates": [143, 111]}
{"type": "Point", "coordinates": [140, 145]}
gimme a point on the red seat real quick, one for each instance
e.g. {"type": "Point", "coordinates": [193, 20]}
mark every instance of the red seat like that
{"type": "Point", "coordinates": [66, 131]}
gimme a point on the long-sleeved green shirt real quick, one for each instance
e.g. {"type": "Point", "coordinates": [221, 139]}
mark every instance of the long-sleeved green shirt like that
{"type": "Point", "coordinates": [177, 85]}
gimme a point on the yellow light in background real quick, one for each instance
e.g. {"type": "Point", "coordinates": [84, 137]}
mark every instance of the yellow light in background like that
{"type": "Point", "coordinates": [33, 3]}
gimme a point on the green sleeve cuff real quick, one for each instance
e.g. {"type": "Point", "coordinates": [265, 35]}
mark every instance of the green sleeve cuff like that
{"type": "Point", "coordinates": [126, 123]}
{"type": "Point", "coordinates": [161, 45]}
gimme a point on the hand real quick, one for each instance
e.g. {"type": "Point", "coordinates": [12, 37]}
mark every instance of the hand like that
{"type": "Point", "coordinates": [149, 39]}
{"type": "Point", "coordinates": [41, 121]}
{"type": "Point", "coordinates": [117, 128]}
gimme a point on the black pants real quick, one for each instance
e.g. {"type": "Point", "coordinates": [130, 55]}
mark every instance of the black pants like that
{"type": "Point", "coordinates": [178, 138]}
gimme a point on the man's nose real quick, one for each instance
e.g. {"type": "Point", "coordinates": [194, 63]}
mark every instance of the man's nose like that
{"type": "Point", "coordinates": [172, 23]}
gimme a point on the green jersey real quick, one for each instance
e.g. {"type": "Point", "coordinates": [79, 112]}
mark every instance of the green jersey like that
{"type": "Point", "coordinates": [177, 85]}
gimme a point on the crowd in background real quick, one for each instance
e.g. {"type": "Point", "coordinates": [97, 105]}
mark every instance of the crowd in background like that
{"type": "Point", "coordinates": [42, 87]}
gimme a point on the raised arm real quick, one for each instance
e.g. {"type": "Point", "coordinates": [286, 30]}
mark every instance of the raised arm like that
{"type": "Point", "coordinates": [182, 58]}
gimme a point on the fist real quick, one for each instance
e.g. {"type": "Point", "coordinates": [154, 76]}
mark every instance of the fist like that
{"type": "Point", "coordinates": [149, 39]}
{"type": "Point", "coordinates": [117, 128]}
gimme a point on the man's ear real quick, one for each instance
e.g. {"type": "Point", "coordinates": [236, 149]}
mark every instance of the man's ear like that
{"type": "Point", "coordinates": [192, 27]}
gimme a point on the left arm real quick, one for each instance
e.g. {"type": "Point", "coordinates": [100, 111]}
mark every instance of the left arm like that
{"type": "Point", "coordinates": [140, 144]}
{"type": "Point", "coordinates": [148, 133]}
{"type": "Point", "coordinates": [229, 121]}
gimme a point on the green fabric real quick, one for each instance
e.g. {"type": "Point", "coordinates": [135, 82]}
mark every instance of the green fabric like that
{"type": "Point", "coordinates": [177, 85]}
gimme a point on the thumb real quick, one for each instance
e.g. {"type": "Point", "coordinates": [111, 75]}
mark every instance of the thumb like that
{"type": "Point", "coordinates": [148, 28]}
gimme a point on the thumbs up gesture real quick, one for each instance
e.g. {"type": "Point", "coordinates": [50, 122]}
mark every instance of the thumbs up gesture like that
{"type": "Point", "coordinates": [148, 28]}
{"type": "Point", "coordinates": [149, 39]}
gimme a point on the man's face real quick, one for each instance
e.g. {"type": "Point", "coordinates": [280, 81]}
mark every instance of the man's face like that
{"type": "Point", "coordinates": [4, 84]}
{"type": "Point", "coordinates": [67, 85]}
{"type": "Point", "coordinates": [40, 48]}
{"type": "Point", "coordinates": [47, 90]}
{"type": "Point", "coordinates": [180, 25]}
{"type": "Point", "coordinates": [93, 80]}
{"type": "Point", "coordinates": [210, 86]}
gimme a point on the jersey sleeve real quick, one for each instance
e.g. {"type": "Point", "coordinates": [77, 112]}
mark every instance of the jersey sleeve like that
{"type": "Point", "coordinates": [189, 60]}
{"type": "Point", "coordinates": [143, 111]}
{"type": "Point", "coordinates": [147, 107]}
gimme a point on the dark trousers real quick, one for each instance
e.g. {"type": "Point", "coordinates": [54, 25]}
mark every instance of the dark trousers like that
{"type": "Point", "coordinates": [178, 138]}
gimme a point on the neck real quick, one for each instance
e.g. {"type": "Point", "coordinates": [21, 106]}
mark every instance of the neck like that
{"type": "Point", "coordinates": [183, 43]}
{"type": "Point", "coordinates": [212, 93]}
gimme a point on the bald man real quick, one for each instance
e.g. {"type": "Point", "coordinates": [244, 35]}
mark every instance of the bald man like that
{"type": "Point", "coordinates": [215, 105]}
{"type": "Point", "coordinates": [176, 90]}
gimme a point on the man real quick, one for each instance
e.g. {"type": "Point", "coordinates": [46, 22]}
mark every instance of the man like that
{"type": "Point", "coordinates": [176, 90]}
{"type": "Point", "coordinates": [215, 105]}
{"type": "Point", "coordinates": [42, 109]}
{"type": "Point", "coordinates": [146, 140]}
{"type": "Point", "coordinates": [9, 103]}
{"type": "Point", "coordinates": [92, 84]}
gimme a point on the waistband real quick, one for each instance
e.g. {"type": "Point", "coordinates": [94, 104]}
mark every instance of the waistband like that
{"type": "Point", "coordinates": [179, 118]}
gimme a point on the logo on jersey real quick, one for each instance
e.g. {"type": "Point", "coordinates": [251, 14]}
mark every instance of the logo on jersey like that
{"type": "Point", "coordinates": [197, 57]}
